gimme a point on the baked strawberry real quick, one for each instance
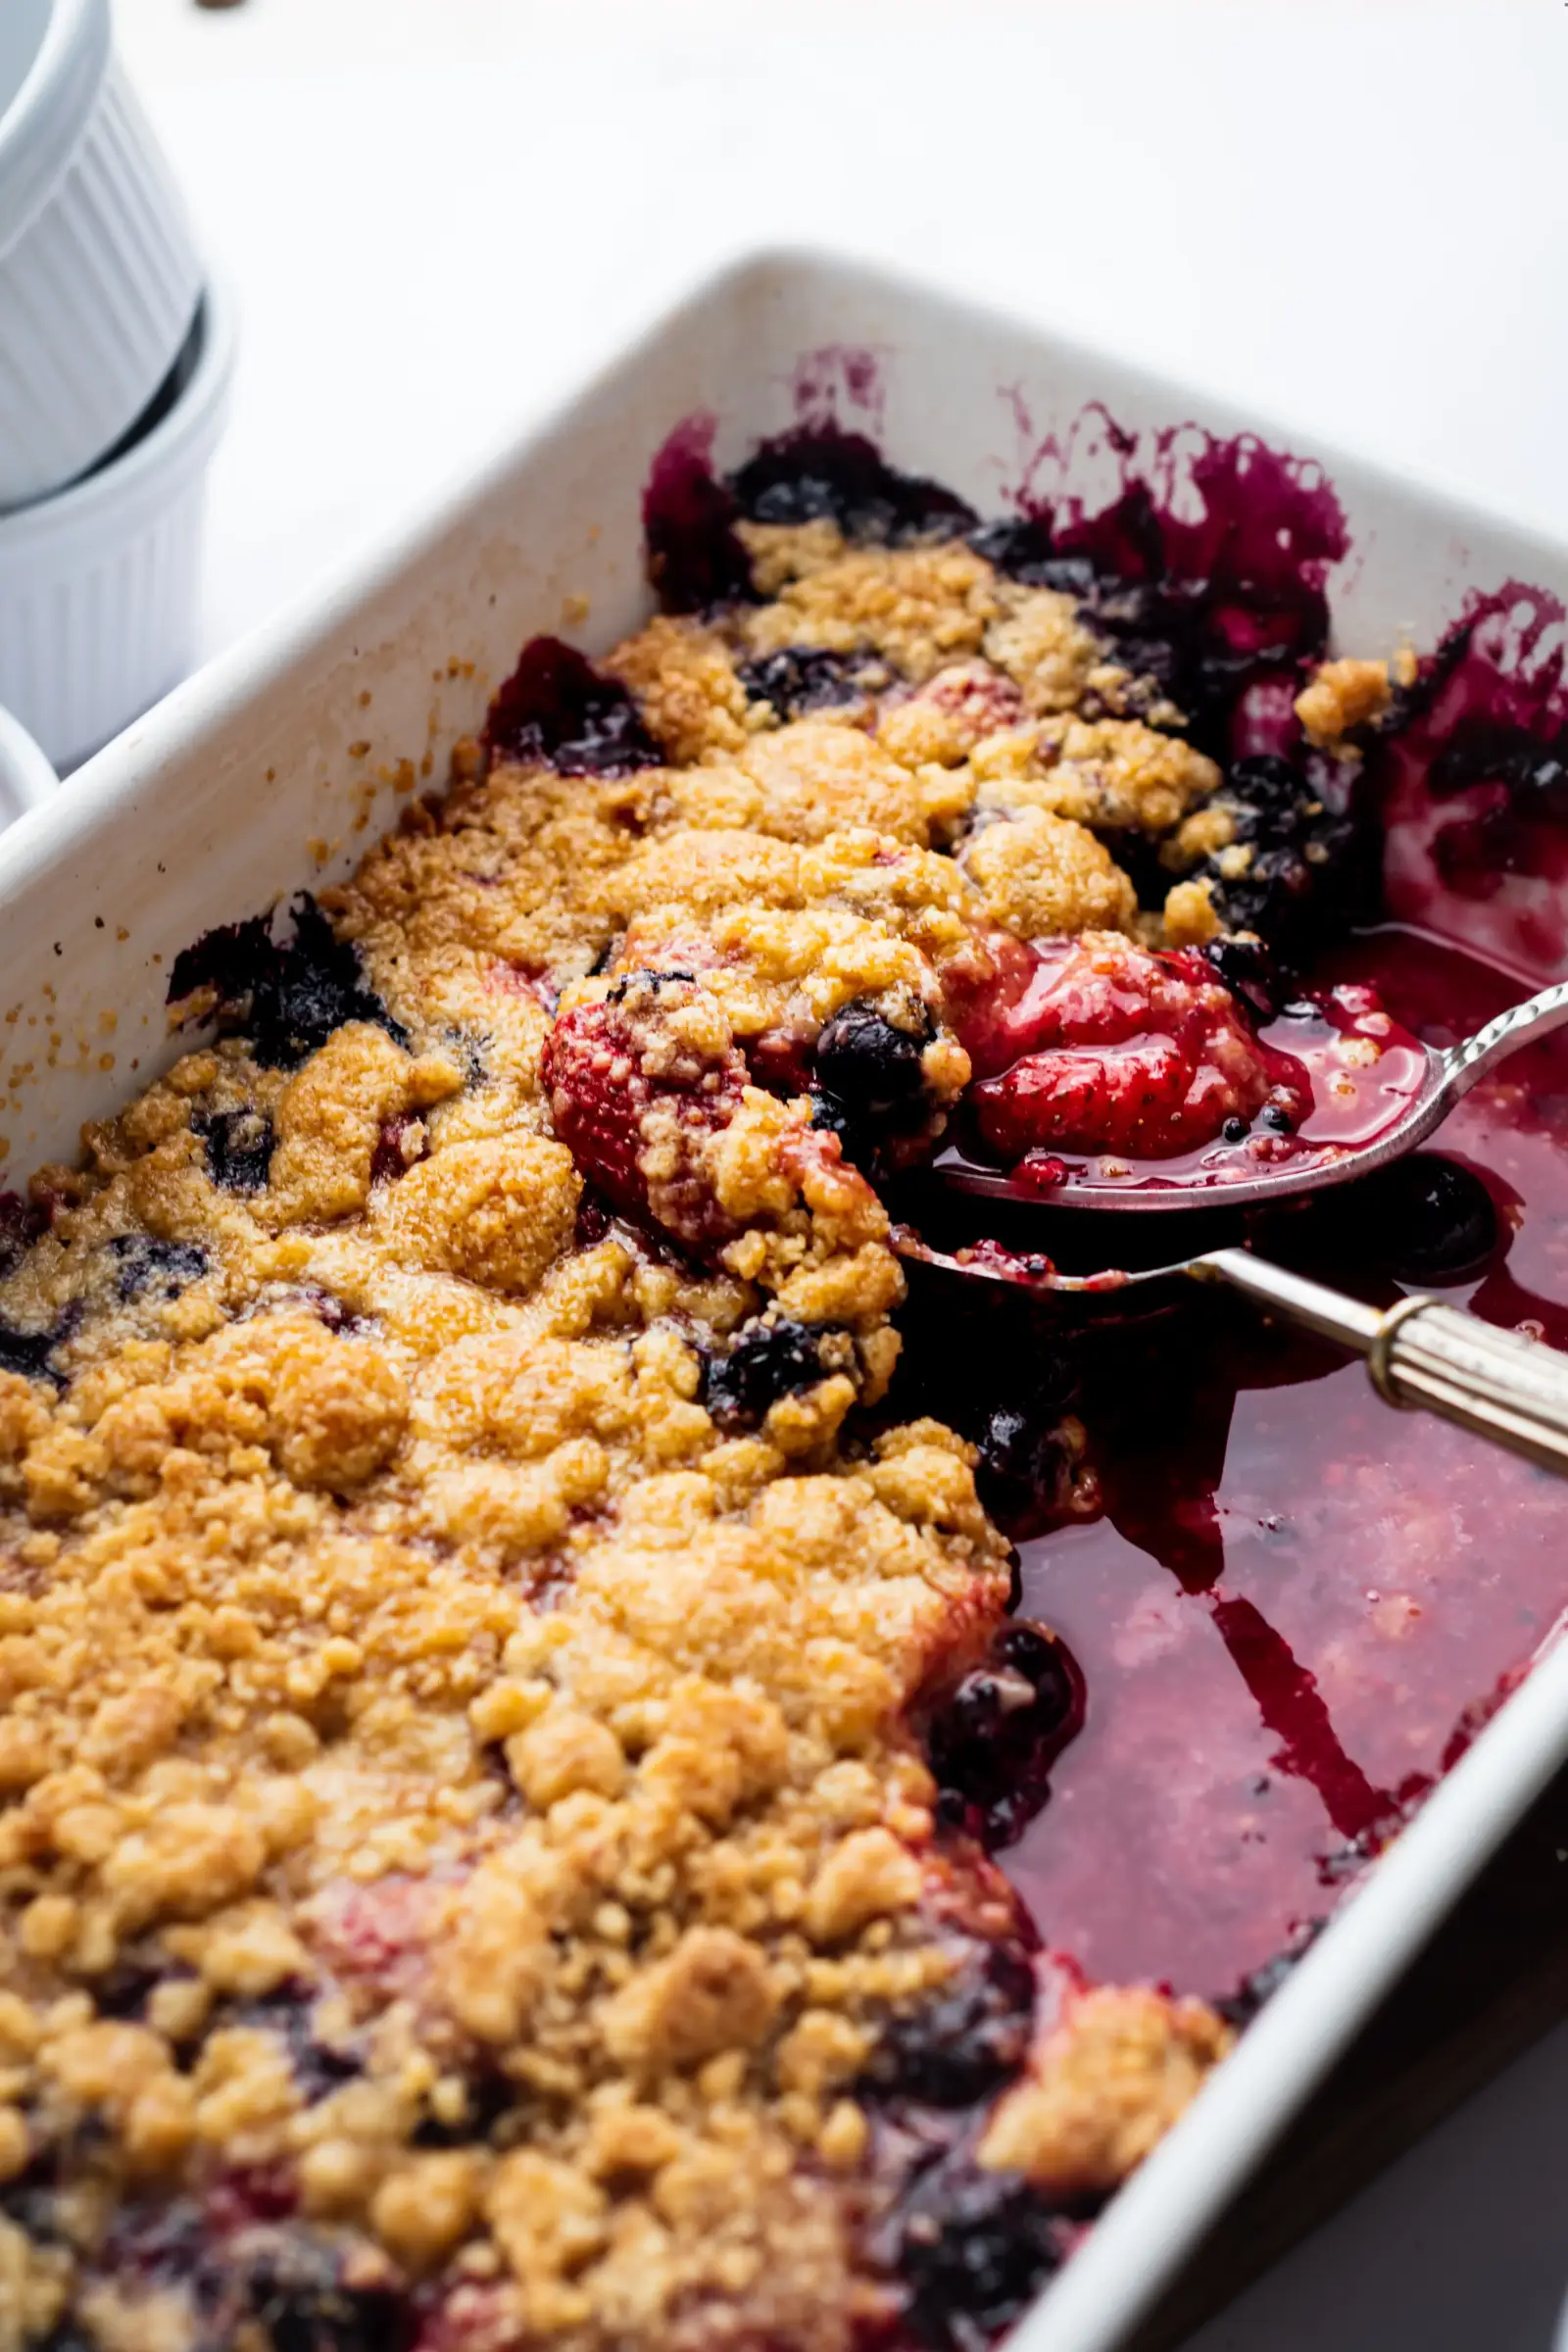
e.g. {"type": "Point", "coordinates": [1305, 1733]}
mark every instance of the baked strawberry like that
{"type": "Point", "coordinates": [639, 1079]}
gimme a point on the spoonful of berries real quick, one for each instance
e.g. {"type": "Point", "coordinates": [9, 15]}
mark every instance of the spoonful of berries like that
{"type": "Point", "coordinates": [1117, 1077]}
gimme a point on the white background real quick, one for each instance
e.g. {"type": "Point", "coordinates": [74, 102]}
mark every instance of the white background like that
{"type": "Point", "coordinates": [1351, 217]}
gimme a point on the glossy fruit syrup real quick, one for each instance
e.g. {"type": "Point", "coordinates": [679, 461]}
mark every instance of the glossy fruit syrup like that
{"type": "Point", "coordinates": [1290, 1606]}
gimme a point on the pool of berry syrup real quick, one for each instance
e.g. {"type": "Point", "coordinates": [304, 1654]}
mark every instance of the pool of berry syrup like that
{"type": "Point", "coordinates": [1294, 1605]}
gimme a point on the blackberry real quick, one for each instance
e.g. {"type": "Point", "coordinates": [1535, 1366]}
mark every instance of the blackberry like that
{"type": "Point", "coordinates": [801, 679]}
{"type": "Point", "coordinates": [822, 473]}
{"type": "Point", "coordinates": [961, 2048]}
{"type": "Point", "coordinates": [695, 559]}
{"type": "Point", "coordinates": [285, 996]}
{"type": "Point", "coordinates": [1313, 867]}
{"type": "Point", "coordinates": [991, 1744]}
{"type": "Point", "coordinates": [770, 1360]}
{"type": "Point", "coordinates": [557, 711]}
{"type": "Point", "coordinates": [145, 1265]}
{"type": "Point", "coordinates": [971, 2248]}
{"type": "Point", "coordinates": [238, 1145]}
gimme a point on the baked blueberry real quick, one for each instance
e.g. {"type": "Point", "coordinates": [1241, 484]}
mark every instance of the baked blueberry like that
{"type": "Point", "coordinates": [557, 711]}
{"type": "Point", "coordinates": [767, 1360]}
{"type": "Point", "coordinates": [972, 2249]}
{"type": "Point", "coordinates": [960, 2046]}
{"type": "Point", "coordinates": [238, 1147]}
{"type": "Point", "coordinates": [284, 997]}
{"type": "Point", "coordinates": [803, 678]}
{"type": "Point", "coordinates": [146, 1265]}
{"type": "Point", "coordinates": [821, 474]}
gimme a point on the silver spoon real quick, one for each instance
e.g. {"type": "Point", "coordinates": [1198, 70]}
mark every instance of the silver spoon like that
{"type": "Point", "coordinates": [1418, 1353]}
{"type": "Point", "coordinates": [1449, 1075]}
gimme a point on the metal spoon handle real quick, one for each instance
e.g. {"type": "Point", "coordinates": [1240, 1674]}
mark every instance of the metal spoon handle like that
{"type": "Point", "coordinates": [1537, 1016]}
{"type": "Point", "coordinates": [1504, 1386]}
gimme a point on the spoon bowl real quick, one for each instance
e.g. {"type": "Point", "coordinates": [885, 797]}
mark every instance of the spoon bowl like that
{"type": "Point", "coordinates": [1449, 1075]}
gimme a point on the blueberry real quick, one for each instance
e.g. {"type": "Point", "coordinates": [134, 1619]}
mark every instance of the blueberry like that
{"type": "Point", "coordinates": [823, 474]}
{"type": "Point", "coordinates": [769, 1360]}
{"type": "Point", "coordinates": [1021, 1468]}
{"type": "Point", "coordinates": [994, 1740]}
{"type": "Point", "coordinates": [1249, 972]}
{"type": "Point", "coordinates": [317, 2067]}
{"type": "Point", "coordinates": [146, 1263]}
{"type": "Point", "coordinates": [869, 1064]}
{"type": "Point", "coordinates": [28, 1352]}
{"type": "Point", "coordinates": [966, 2044]}
{"type": "Point", "coordinates": [1275, 1116]}
{"type": "Point", "coordinates": [1235, 1131]}
{"type": "Point", "coordinates": [801, 679]}
{"type": "Point", "coordinates": [238, 1145]}
{"type": "Point", "coordinates": [1022, 547]}
{"type": "Point", "coordinates": [286, 997]}
{"type": "Point", "coordinates": [972, 2249]}
{"type": "Point", "coordinates": [21, 1223]}
{"type": "Point", "coordinates": [293, 2288]}
{"type": "Point", "coordinates": [1426, 1219]}
{"type": "Point", "coordinates": [557, 711]}
{"type": "Point", "coordinates": [1313, 869]}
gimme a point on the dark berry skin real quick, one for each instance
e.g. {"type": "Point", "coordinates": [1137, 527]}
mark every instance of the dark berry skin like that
{"type": "Point", "coordinates": [1426, 1219]}
{"type": "Point", "coordinates": [160, 1268]}
{"type": "Point", "coordinates": [1313, 869]}
{"type": "Point", "coordinates": [962, 2046]}
{"type": "Point", "coordinates": [285, 996]}
{"type": "Point", "coordinates": [238, 1145]}
{"type": "Point", "coordinates": [770, 1360]}
{"type": "Point", "coordinates": [972, 2249]}
{"type": "Point", "coordinates": [294, 2290]}
{"type": "Point", "coordinates": [869, 1064]}
{"type": "Point", "coordinates": [21, 1223]}
{"type": "Point", "coordinates": [557, 711]}
{"type": "Point", "coordinates": [30, 1352]}
{"type": "Point", "coordinates": [1248, 971]}
{"type": "Point", "coordinates": [695, 559]}
{"type": "Point", "coordinates": [992, 1742]}
{"type": "Point", "coordinates": [822, 475]}
{"type": "Point", "coordinates": [1021, 1468]}
{"type": "Point", "coordinates": [801, 679]}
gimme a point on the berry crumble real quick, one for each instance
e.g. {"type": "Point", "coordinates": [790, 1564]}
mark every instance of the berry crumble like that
{"type": "Point", "coordinates": [529, 1745]}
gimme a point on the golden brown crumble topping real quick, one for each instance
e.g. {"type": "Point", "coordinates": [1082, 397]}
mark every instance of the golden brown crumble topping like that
{"type": "Point", "coordinates": [487, 1763]}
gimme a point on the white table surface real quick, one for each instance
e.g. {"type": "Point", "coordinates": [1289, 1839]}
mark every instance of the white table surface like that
{"type": "Point", "coordinates": [1353, 216]}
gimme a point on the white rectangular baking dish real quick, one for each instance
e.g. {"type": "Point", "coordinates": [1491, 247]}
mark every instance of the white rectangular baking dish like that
{"type": "Point", "coordinates": [277, 767]}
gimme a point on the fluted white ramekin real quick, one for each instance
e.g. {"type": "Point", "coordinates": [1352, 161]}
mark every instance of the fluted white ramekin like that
{"type": "Point", "coordinates": [99, 270]}
{"type": "Point", "coordinates": [98, 585]}
{"type": "Point", "coordinates": [26, 778]}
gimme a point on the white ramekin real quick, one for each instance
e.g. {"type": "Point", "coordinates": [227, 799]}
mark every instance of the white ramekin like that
{"type": "Point", "coordinates": [99, 270]}
{"type": "Point", "coordinates": [26, 778]}
{"type": "Point", "coordinates": [98, 585]}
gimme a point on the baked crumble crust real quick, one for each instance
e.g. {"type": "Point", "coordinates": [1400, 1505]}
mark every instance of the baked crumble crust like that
{"type": "Point", "coordinates": [467, 1839]}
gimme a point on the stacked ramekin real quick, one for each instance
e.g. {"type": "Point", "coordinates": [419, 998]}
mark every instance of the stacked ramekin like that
{"type": "Point", "coordinates": [116, 354]}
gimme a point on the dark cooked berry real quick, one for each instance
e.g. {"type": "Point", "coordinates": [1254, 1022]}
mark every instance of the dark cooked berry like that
{"type": "Point", "coordinates": [972, 2038]}
{"type": "Point", "coordinates": [1240, 2007]}
{"type": "Point", "coordinates": [1021, 546]}
{"type": "Point", "coordinates": [238, 1145]}
{"type": "Point", "coordinates": [1022, 1467]}
{"type": "Point", "coordinates": [803, 677]}
{"type": "Point", "coordinates": [769, 1360]}
{"type": "Point", "coordinates": [1426, 1219]}
{"type": "Point", "coordinates": [146, 1264]}
{"type": "Point", "coordinates": [995, 1737]}
{"type": "Point", "coordinates": [397, 1147]}
{"type": "Point", "coordinates": [286, 997]}
{"type": "Point", "coordinates": [869, 1064]}
{"type": "Point", "coordinates": [295, 2290]}
{"type": "Point", "coordinates": [820, 474]}
{"type": "Point", "coordinates": [1235, 1131]}
{"type": "Point", "coordinates": [28, 1352]}
{"type": "Point", "coordinates": [317, 2067]}
{"type": "Point", "coordinates": [557, 711]}
{"type": "Point", "coordinates": [972, 2249]}
{"type": "Point", "coordinates": [1248, 971]}
{"type": "Point", "coordinates": [1276, 1116]}
{"type": "Point", "coordinates": [1312, 868]}
{"type": "Point", "coordinates": [695, 557]}
{"type": "Point", "coordinates": [21, 1223]}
